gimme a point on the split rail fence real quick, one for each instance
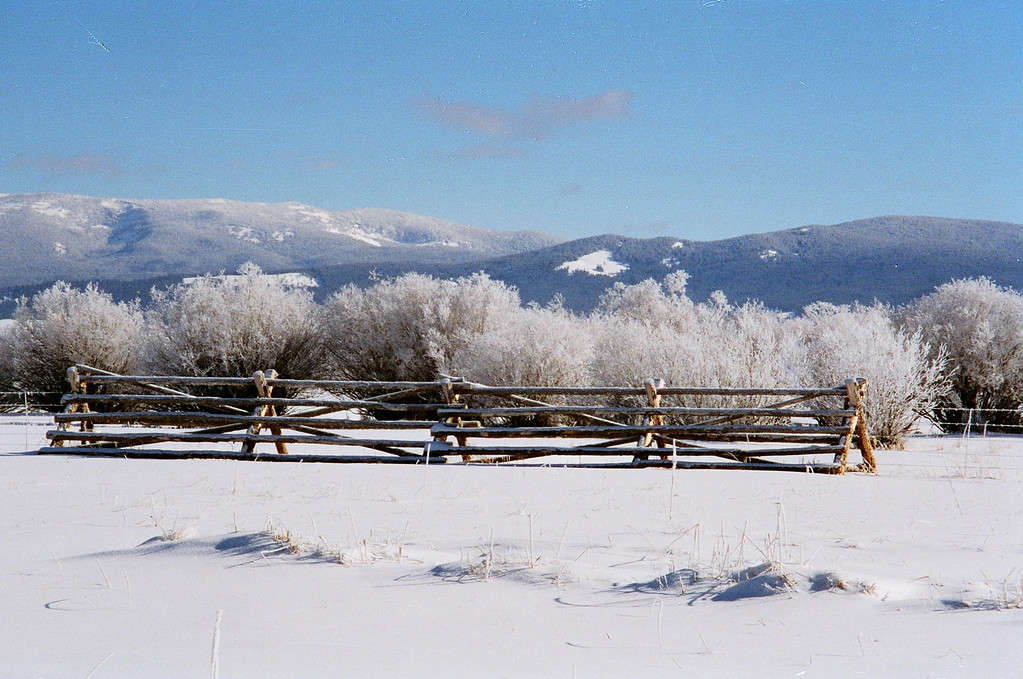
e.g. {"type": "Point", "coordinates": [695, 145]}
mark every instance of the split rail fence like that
{"type": "Point", "coordinates": [456, 421]}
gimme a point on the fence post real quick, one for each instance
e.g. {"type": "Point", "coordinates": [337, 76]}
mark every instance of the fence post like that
{"type": "Point", "coordinates": [653, 399]}
{"type": "Point", "coordinates": [263, 390]}
{"type": "Point", "coordinates": [852, 401]}
{"type": "Point", "coordinates": [866, 447]}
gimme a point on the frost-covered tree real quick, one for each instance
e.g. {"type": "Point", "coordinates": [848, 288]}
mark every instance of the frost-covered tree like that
{"type": "Point", "coordinates": [63, 325]}
{"type": "Point", "coordinates": [8, 386]}
{"type": "Point", "coordinates": [980, 325]}
{"type": "Point", "coordinates": [534, 346]}
{"type": "Point", "coordinates": [650, 302]}
{"type": "Point", "coordinates": [547, 347]}
{"type": "Point", "coordinates": [654, 330]}
{"type": "Point", "coordinates": [232, 326]}
{"type": "Point", "coordinates": [411, 327]}
{"type": "Point", "coordinates": [905, 377]}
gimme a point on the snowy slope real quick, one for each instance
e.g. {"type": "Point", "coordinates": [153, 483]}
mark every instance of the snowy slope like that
{"type": "Point", "coordinates": [128, 568]}
{"type": "Point", "coordinates": [51, 236]}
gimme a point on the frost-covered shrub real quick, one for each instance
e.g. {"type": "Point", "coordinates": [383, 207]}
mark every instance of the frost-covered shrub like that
{"type": "Point", "coordinates": [650, 302]}
{"type": "Point", "coordinates": [62, 325]}
{"type": "Point", "coordinates": [9, 399]}
{"type": "Point", "coordinates": [905, 378]}
{"type": "Point", "coordinates": [233, 326]}
{"type": "Point", "coordinates": [654, 330]}
{"type": "Point", "coordinates": [538, 347]}
{"type": "Point", "coordinates": [411, 327]}
{"type": "Point", "coordinates": [759, 347]}
{"type": "Point", "coordinates": [981, 326]}
{"type": "Point", "coordinates": [534, 346]}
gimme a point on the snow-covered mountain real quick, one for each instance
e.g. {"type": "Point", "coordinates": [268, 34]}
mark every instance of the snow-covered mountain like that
{"type": "Point", "coordinates": [60, 236]}
{"type": "Point", "coordinates": [128, 246]}
{"type": "Point", "coordinates": [892, 259]}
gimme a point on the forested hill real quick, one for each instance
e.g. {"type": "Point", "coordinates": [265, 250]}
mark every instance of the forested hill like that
{"type": "Point", "coordinates": [890, 259]}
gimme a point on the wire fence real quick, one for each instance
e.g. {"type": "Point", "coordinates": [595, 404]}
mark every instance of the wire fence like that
{"type": "Point", "coordinates": [976, 421]}
{"type": "Point", "coordinates": [28, 402]}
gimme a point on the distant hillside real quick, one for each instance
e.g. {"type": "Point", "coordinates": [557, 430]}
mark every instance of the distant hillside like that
{"type": "Point", "coordinates": [59, 236]}
{"type": "Point", "coordinates": [891, 259]}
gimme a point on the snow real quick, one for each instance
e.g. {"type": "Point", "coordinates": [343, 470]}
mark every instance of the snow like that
{"type": "Point", "coordinates": [678, 244]}
{"type": "Point", "coordinates": [769, 254]}
{"type": "Point", "coordinates": [243, 233]}
{"type": "Point", "coordinates": [293, 280]}
{"type": "Point", "coordinates": [597, 263]}
{"type": "Point", "coordinates": [310, 214]}
{"type": "Point", "coordinates": [59, 249]}
{"type": "Point", "coordinates": [125, 568]}
{"type": "Point", "coordinates": [45, 207]}
{"type": "Point", "coordinates": [443, 244]}
{"type": "Point", "coordinates": [364, 237]}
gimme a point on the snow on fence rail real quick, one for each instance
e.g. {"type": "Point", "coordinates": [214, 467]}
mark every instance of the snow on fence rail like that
{"type": "Point", "coordinates": [454, 420]}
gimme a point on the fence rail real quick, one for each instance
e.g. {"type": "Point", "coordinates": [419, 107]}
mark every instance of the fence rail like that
{"type": "Point", "coordinates": [456, 421]}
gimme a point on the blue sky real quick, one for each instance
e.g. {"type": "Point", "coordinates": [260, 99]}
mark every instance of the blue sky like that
{"type": "Point", "coordinates": [700, 119]}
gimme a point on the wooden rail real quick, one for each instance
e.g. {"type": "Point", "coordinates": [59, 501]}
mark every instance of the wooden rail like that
{"type": "Point", "coordinates": [455, 421]}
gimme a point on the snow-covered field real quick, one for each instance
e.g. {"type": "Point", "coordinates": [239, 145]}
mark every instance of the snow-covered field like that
{"type": "Point", "coordinates": [139, 568]}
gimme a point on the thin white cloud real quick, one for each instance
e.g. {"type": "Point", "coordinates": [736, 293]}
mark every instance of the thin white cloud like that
{"type": "Point", "coordinates": [536, 119]}
{"type": "Point", "coordinates": [77, 164]}
{"type": "Point", "coordinates": [482, 151]}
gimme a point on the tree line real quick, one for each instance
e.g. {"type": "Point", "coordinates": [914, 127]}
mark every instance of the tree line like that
{"type": "Point", "coordinates": [955, 355]}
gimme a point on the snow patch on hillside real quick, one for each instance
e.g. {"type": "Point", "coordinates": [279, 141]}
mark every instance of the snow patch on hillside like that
{"type": "Point", "coordinates": [45, 207]}
{"type": "Point", "coordinates": [311, 214]}
{"type": "Point", "coordinates": [288, 280]}
{"type": "Point", "coordinates": [597, 263]}
{"type": "Point", "coordinates": [243, 233]}
{"type": "Point", "coordinates": [364, 237]}
{"type": "Point", "coordinates": [769, 255]}
{"type": "Point", "coordinates": [442, 244]}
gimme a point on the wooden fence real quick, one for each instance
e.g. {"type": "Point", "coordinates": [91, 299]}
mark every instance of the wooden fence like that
{"type": "Point", "coordinates": [457, 421]}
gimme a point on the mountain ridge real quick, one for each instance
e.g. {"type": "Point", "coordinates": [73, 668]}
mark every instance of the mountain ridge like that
{"type": "Point", "coordinates": [69, 236]}
{"type": "Point", "coordinates": [889, 258]}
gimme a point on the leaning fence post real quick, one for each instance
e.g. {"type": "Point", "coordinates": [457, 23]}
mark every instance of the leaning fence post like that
{"type": "Point", "coordinates": [653, 398]}
{"type": "Point", "coordinates": [72, 406]}
{"type": "Point", "coordinates": [264, 390]}
{"type": "Point", "coordinates": [451, 398]}
{"type": "Point", "coordinates": [852, 402]}
{"type": "Point", "coordinates": [866, 447]}
{"type": "Point", "coordinates": [74, 378]}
